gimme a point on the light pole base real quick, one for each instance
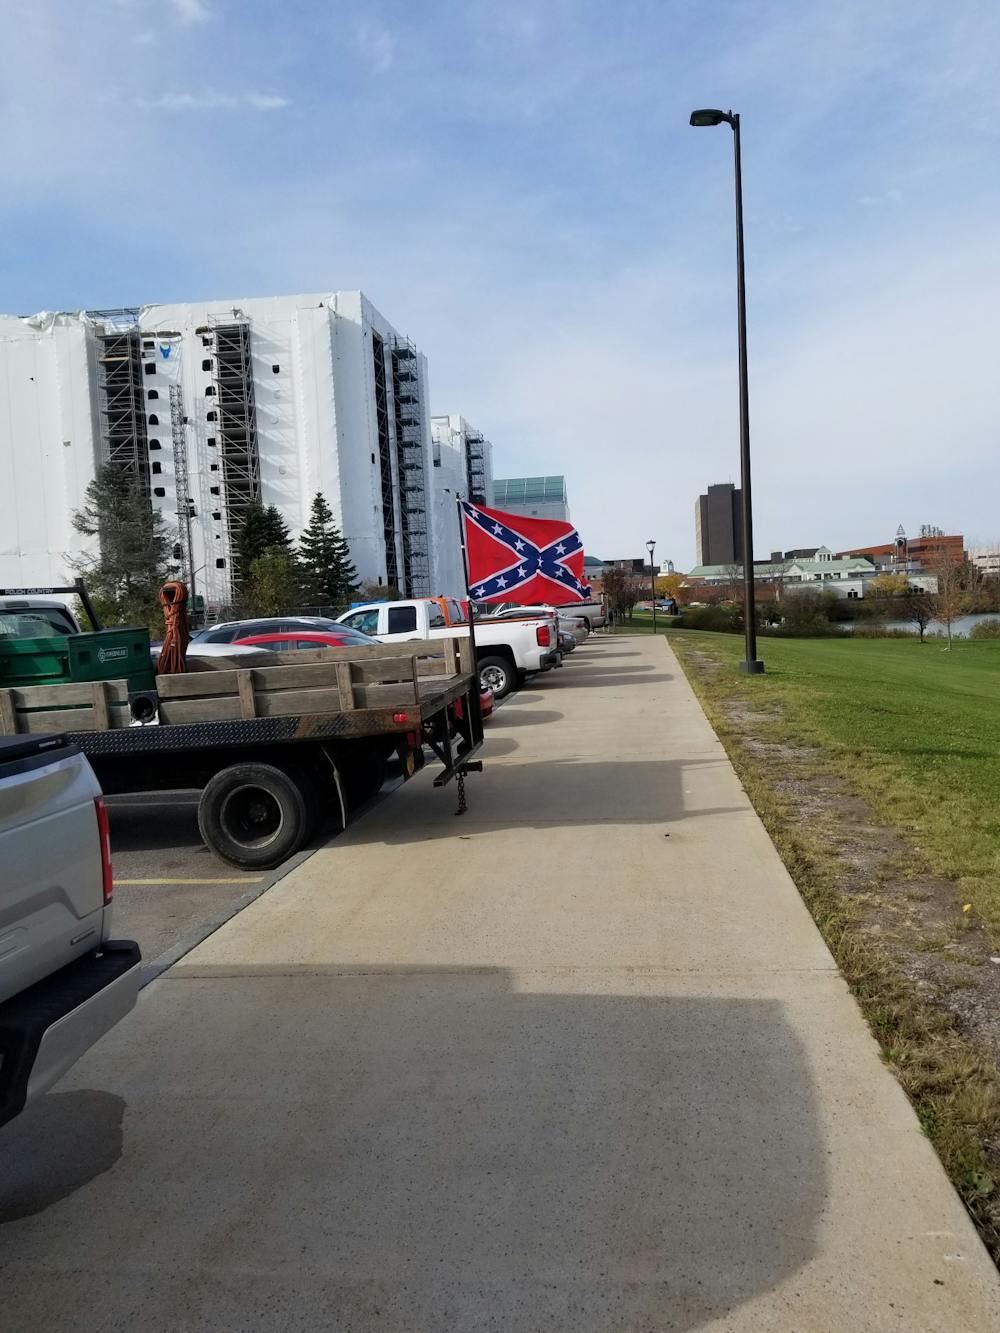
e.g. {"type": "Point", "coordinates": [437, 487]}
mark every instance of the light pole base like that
{"type": "Point", "coordinates": [752, 668]}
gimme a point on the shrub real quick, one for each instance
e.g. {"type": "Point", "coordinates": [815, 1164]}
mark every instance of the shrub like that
{"type": "Point", "coordinates": [725, 619]}
{"type": "Point", "coordinates": [985, 629]}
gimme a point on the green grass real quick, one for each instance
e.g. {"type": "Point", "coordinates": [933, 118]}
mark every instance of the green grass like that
{"type": "Point", "coordinates": [915, 728]}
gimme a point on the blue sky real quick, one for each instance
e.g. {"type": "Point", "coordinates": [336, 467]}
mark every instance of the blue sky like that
{"type": "Point", "coordinates": [516, 187]}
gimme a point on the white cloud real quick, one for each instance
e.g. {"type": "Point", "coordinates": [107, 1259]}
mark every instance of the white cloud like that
{"type": "Point", "coordinates": [377, 44]}
{"type": "Point", "coordinates": [190, 11]}
{"type": "Point", "coordinates": [211, 100]}
{"type": "Point", "coordinates": [146, 38]}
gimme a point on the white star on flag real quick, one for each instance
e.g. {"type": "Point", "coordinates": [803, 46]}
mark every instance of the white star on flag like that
{"type": "Point", "coordinates": [502, 581]}
{"type": "Point", "coordinates": [480, 590]}
{"type": "Point", "coordinates": [497, 529]}
{"type": "Point", "coordinates": [561, 549]}
{"type": "Point", "coordinates": [522, 573]}
{"type": "Point", "coordinates": [519, 545]}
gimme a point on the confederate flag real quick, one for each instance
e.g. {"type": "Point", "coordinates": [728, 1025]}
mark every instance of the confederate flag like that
{"type": "Point", "coordinates": [525, 560]}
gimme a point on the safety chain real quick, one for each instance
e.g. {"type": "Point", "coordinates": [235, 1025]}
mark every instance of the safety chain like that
{"type": "Point", "coordinates": [462, 803]}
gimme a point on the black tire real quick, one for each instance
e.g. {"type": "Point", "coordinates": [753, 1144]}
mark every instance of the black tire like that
{"type": "Point", "coordinates": [497, 673]}
{"type": "Point", "coordinates": [256, 815]}
{"type": "Point", "coordinates": [362, 775]}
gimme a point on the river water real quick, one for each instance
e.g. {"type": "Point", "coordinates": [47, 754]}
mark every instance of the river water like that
{"type": "Point", "coordinates": [960, 628]}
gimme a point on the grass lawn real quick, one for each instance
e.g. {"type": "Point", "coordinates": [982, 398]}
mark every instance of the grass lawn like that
{"type": "Point", "coordinates": [916, 728]}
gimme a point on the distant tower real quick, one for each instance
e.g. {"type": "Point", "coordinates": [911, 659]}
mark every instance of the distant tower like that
{"type": "Point", "coordinates": [901, 548]}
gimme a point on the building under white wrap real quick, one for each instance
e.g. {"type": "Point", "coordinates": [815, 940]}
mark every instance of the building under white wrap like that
{"type": "Point", "coordinates": [214, 404]}
{"type": "Point", "coordinates": [463, 469]}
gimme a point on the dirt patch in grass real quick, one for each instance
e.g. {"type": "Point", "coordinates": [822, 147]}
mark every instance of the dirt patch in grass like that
{"type": "Point", "coordinates": [921, 967]}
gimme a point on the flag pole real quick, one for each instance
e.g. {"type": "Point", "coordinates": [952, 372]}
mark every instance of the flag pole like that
{"type": "Point", "coordinates": [468, 594]}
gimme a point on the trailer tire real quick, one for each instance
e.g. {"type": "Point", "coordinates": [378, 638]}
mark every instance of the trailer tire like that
{"type": "Point", "coordinates": [498, 674]}
{"type": "Point", "coordinates": [257, 815]}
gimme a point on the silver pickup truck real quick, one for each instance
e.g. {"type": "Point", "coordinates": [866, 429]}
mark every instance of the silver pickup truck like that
{"type": "Point", "coordinates": [63, 982]}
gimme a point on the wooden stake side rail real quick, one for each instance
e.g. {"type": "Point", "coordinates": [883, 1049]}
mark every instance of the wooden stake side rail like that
{"type": "Point", "coordinates": [244, 688]}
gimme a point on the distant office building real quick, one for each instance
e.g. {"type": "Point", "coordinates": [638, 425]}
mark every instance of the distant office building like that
{"type": "Point", "coordinates": [986, 559]}
{"type": "Point", "coordinates": [534, 497]}
{"type": "Point", "coordinates": [718, 526]}
{"type": "Point", "coordinates": [630, 565]}
{"type": "Point", "coordinates": [904, 553]}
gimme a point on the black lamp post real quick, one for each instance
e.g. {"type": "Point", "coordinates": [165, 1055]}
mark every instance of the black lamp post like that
{"type": "Point", "coordinates": [651, 547]}
{"type": "Point", "coordinates": [752, 664]}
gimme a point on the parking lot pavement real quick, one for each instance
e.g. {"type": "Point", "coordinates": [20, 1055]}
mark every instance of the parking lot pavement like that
{"type": "Point", "coordinates": [170, 891]}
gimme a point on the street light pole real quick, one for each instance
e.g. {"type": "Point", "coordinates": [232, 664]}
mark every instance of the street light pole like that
{"type": "Point", "coordinates": [752, 665]}
{"type": "Point", "coordinates": [651, 547]}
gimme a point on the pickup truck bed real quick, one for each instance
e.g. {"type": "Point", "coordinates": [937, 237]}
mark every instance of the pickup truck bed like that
{"type": "Point", "coordinates": [63, 983]}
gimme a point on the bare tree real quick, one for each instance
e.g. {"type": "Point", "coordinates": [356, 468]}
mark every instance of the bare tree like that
{"type": "Point", "coordinates": [917, 606]}
{"type": "Point", "coordinates": [734, 579]}
{"type": "Point", "coordinates": [956, 586]}
{"type": "Point", "coordinates": [622, 590]}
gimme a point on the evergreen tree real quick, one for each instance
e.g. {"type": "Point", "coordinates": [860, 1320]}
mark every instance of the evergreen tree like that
{"type": "Point", "coordinates": [133, 559]}
{"type": "Point", "coordinates": [260, 531]}
{"type": "Point", "coordinates": [325, 557]}
{"type": "Point", "coordinates": [273, 584]}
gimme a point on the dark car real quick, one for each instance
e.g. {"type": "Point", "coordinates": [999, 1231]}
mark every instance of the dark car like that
{"type": "Point", "coordinates": [231, 630]}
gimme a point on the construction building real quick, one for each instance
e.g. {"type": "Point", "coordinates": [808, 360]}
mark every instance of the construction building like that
{"type": "Point", "coordinates": [534, 497]}
{"type": "Point", "coordinates": [718, 526]}
{"type": "Point", "coordinates": [462, 469]}
{"type": "Point", "coordinates": [213, 405]}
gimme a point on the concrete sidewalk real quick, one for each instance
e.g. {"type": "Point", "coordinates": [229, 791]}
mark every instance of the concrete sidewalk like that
{"type": "Point", "coordinates": [577, 1061]}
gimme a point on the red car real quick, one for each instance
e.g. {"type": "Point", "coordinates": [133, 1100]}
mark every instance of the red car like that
{"type": "Point", "coordinates": [344, 637]}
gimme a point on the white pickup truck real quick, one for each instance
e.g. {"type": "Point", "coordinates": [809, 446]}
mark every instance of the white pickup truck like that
{"type": "Point", "coordinates": [63, 982]}
{"type": "Point", "coordinates": [506, 652]}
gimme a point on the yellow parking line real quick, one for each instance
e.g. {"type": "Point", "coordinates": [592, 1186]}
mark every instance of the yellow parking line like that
{"type": "Point", "coordinates": [227, 879]}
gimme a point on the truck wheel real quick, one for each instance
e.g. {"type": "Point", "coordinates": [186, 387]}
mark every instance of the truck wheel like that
{"type": "Point", "coordinates": [363, 775]}
{"type": "Point", "coordinates": [497, 674]}
{"type": "Point", "coordinates": [255, 815]}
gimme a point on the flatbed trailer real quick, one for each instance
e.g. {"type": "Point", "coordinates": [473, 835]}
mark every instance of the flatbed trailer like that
{"type": "Point", "coordinates": [279, 742]}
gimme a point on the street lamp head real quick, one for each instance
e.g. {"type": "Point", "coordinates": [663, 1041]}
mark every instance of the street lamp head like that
{"type": "Point", "coordinates": [708, 116]}
{"type": "Point", "coordinates": [650, 545]}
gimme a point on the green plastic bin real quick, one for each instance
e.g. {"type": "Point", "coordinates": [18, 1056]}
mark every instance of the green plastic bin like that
{"type": "Point", "coordinates": [112, 654]}
{"type": "Point", "coordinates": [41, 661]}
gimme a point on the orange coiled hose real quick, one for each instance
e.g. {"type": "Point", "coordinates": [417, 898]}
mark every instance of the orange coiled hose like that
{"type": "Point", "coordinates": [173, 654]}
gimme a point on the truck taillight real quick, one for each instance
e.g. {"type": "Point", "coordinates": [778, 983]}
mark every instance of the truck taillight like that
{"type": "Point", "coordinates": [104, 834]}
{"type": "Point", "coordinates": [544, 636]}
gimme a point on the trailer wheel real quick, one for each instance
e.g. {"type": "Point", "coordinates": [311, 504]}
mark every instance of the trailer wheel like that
{"type": "Point", "coordinates": [256, 815]}
{"type": "Point", "coordinates": [497, 674]}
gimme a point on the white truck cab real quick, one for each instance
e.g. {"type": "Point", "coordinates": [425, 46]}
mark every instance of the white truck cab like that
{"type": "Point", "coordinates": [506, 651]}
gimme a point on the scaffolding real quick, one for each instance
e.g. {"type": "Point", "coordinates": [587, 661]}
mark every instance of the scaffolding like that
{"type": "Point", "coordinates": [385, 462]}
{"type": "Point", "coordinates": [185, 501]}
{"type": "Point", "coordinates": [411, 468]}
{"type": "Point", "coordinates": [123, 410]}
{"type": "Point", "coordinates": [475, 468]}
{"type": "Point", "coordinates": [235, 409]}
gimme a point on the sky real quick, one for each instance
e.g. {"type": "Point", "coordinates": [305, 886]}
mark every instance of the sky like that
{"type": "Point", "coordinates": [516, 187]}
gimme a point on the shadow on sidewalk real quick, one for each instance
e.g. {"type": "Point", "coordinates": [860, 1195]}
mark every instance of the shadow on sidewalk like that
{"type": "Point", "coordinates": [426, 1149]}
{"type": "Point", "coordinates": [542, 793]}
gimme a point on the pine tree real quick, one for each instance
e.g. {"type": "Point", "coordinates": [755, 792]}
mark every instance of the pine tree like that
{"type": "Point", "coordinates": [325, 557]}
{"type": "Point", "coordinates": [261, 530]}
{"type": "Point", "coordinates": [133, 559]}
